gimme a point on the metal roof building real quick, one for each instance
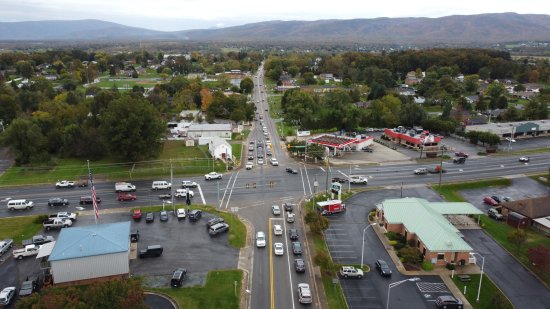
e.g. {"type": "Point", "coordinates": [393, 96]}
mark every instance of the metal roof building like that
{"type": "Point", "coordinates": [519, 129]}
{"type": "Point", "coordinates": [425, 222]}
{"type": "Point", "coordinates": [90, 252]}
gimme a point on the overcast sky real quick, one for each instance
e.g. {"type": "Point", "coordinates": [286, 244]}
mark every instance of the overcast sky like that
{"type": "Point", "coordinates": [191, 14]}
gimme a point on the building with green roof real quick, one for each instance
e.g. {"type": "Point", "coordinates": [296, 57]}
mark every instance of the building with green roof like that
{"type": "Point", "coordinates": [425, 224]}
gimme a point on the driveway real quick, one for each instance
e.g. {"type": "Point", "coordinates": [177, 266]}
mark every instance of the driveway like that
{"type": "Point", "coordinates": [518, 284]}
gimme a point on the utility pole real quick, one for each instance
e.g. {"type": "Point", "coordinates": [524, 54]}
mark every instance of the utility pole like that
{"type": "Point", "coordinates": [441, 166]}
{"type": "Point", "coordinates": [172, 187]}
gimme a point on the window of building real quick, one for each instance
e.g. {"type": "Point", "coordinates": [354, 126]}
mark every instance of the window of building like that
{"type": "Point", "coordinates": [441, 256]}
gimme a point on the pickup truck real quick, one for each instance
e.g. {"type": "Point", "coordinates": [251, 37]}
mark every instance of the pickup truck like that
{"type": "Point", "coordinates": [38, 240]}
{"type": "Point", "coordinates": [29, 250]}
{"type": "Point", "coordinates": [64, 184]}
{"type": "Point", "coordinates": [5, 245]}
{"type": "Point", "coordinates": [56, 223]}
{"type": "Point", "coordinates": [63, 215]}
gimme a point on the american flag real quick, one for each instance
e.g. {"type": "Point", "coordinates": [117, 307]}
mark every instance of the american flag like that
{"type": "Point", "coordinates": [94, 196]}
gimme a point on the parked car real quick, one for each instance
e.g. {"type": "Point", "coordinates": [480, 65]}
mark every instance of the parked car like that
{"type": "Point", "coordinates": [5, 245]}
{"type": "Point", "coordinates": [366, 149]}
{"type": "Point", "coordinates": [461, 154]}
{"type": "Point", "coordinates": [180, 214]}
{"type": "Point", "coordinates": [291, 170]}
{"type": "Point", "coordinates": [214, 221]}
{"type": "Point", "coordinates": [37, 240]}
{"type": "Point", "coordinates": [163, 215]}
{"type": "Point", "coordinates": [448, 302]}
{"type": "Point", "coordinates": [58, 201]}
{"type": "Point", "coordinates": [278, 248]}
{"type": "Point", "coordinates": [289, 207]}
{"type": "Point", "coordinates": [297, 248]}
{"type": "Point", "coordinates": [6, 296]}
{"type": "Point", "coordinates": [383, 268]}
{"type": "Point", "coordinates": [299, 265]}
{"type": "Point", "coordinates": [149, 217]}
{"type": "Point", "coordinates": [177, 277]}
{"type": "Point", "coordinates": [136, 214]}
{"type": "Point", "coordinates": [218, 229]}
{"type": "Point", "coordinates": [28, 287]}
{"type": "Point", "coordinates": [88, 200]}
{"type": "Point", "coordinates": [151, 251]}
{"type": "Point", "coordinates": [188, 184]}
{"type": "Point", "coordinates": [212, 175]}
{"type": "Point", "coordinates": [350, 271]}
{"type": "Point", "coordinates": [293, 234]}
{"type": "Point", "coordinates": [194, 215]}
{"type": "Point", "coordinates": [495, 214]}
{"type": "Point", "coordinates": [524, 159]}
{"type": "Point", "coordinates": [489, 201]}
{"type": "Point", "coordinates": [123, 197]}
{"type": "Point", "coordinates": [276, 210]}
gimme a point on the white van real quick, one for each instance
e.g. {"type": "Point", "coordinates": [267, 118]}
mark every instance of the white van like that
{"type": "Point", "coordinates": [260, 239]}
{"type": "Point", "coordinates": [161, 185]}
{"type": "Point", "coordinates": [20, 204]}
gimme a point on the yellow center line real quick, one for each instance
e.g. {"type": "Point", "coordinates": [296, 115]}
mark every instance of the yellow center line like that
{"type": "Point", "coordinates": [271, 279]}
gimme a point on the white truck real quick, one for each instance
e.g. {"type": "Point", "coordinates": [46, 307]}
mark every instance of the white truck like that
{"type": "Point", "coordinates": [56, 223]}
{"type": "Point", "coordinates": [29, 250]}
{"type": "Point", "coordinates": [63, 215]}
{"type": "Point", "coordinates": [5, 245]}
{"type": "Point", "coordinates": [124, 187]}
{"type": "Point", "coordinates": [64, 184]}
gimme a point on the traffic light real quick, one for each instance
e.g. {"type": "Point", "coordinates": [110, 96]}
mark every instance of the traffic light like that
{"type": "Point", "coordinates": [187, 199]}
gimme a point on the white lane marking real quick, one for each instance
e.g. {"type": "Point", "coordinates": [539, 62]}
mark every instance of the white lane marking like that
{"type": "Point", "coordinates": [202, 195]}
{"type": "Point", "coordinates": [303, 184]}
{"type": "Point", "coordinates": [308, 182]}
{"type": "Point", "coordinates": [288, 260]}
{"type": "Point", "coordinates": [231, 191]}
{"type": "Point", "coordinates": [225, 191]}
{"type": "Point", "coordinates": [322, 169]}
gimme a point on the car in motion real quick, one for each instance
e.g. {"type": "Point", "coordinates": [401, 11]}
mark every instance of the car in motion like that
{"type": "Point", "coordinates": [278, 248]}
{"type": "Point", "coordinates": [276, 210]}
{"type": "Point", "coordinates": [188, 184]}
{"type": "Point", "coordinates": [421, 171]}
{"type": "Point", "coordinates": [461, 154]}
{"type": "Point", "coordinates": [383, 268]}
{"type": "Point", "coordinates": [88, 200]}
{"type": "Point", "coordinates": [459, 160]}
{"type": "Point", "coordinates": [297, 248]}
{"type": "Point", "coordinates": [339, 179]}
{"type": "Point", "coordinates": [304, 293]}
{"type": "Point", "coordinates": [299, 266]}
{"type": "Point", "coordinates": [291, 170]}
{"type": "Point", "coordinates": [293, 234]}
{"type": "Point", "coordinates": [212, 176]}
{"type": "Point", "coordinates": [360, 180]}
{"type": "Point", "coordinates": [524, 159]}
{"type": "Point", "coordinates": [249, 165]}
{"type": "Point", "coordinates": [124, 197]}
{"type": "Point", "coordinates": [182, 193]}
{"type": "Point", "coordinates": [58, 201]}
{"type": "Point", "coordinates": [260, 239]}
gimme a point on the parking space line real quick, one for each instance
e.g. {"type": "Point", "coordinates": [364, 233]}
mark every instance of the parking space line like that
{"type": "Point", "coordinates": [202, 195]}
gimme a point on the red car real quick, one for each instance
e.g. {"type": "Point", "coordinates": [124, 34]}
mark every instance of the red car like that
{"type": "Point", "coordinates": [136, 214]}
{"type": "Point", "coordinates": [126, 197]}
{"type": "Point", "coordinates": [488, 200]}
{"type": "Point", "coordinates": [461, 154]}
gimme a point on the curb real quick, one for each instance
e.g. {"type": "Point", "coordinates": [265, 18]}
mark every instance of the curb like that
{"type": "Point", "coordinates": [165, 297]}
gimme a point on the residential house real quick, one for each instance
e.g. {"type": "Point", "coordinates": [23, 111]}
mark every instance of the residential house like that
{"type": "Point", "coordinates": [220, 149]}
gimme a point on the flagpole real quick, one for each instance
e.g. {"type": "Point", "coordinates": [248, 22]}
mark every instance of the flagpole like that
{"type": "Point", "coordinates": [94, 197]}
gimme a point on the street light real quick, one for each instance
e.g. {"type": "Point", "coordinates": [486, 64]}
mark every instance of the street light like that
{"type": "Point", "coordinates": [481, 276]}
{"type": "Point", "coordinates": [394, 284]}
{"type": "Point", "coordinates": [363, 247]}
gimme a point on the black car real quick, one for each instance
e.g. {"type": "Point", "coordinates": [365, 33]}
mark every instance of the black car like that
{"type": "Point", "coordinates": [297, 248]}
{"type": "Point", "coordinates": [459, 160]}
{"type": "Point", "coordinates": [151, 251]}
{"type": "Point", "coordinates": [299, 265]}
{"type": "Point", "coordinates": [340, 180]}
{"type": "Point", "coordinates": [149, 217]}
{"type": "Point", "coordinates": [293, 234]}
{"type": "Point", "coordinates": [366, 149]}
{"type": "Point", "coordinates": [496, 198]}
{"type": "Point", "coordinates": [177, 277]}
{"type": "Point", "coordinates": [250, 157]}
{"type": "Point", "coordinates": [87, 200]}
{"type": "Point", "coordinates": [58, 201]}
{"type": "Point", "coordinates": [448, 302]}
{"type": "Point", "coordinates": [291, 170]}
{"type": "Point", "coordinates": [383, 268]}
{"type": "Point", "coordinates": [214, 221]}
{"type": "Point", "coordinates": [194, 215]}
{"type": "Point", "coordinates": [289, 207]}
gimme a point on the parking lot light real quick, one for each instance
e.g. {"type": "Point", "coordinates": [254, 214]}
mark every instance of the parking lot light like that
{"type": "Point", "coordinates": [363, 246]}
{"type": "Point", "coordinates": [481, 276]}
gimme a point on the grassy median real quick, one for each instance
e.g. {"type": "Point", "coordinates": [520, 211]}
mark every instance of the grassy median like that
{"type": "Point", "coordinates": [490, 296]}
{"type": "Point", "coordinates": [222, 290]}
{"type": "Point", "coordinates": [451, 192]}
{"type": "Point", "coordinates": [19, 228]}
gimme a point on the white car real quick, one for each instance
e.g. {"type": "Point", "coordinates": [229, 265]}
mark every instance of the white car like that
{"type": "Point", "coordinates": [277, 230]}
{"type": "Point", "coordinates": [274, 162]}
{"type": "Point", "coordinates": [7, 295]}
{"type": "Point", "coordinates": [276, 209]}
{"type": "Point", "coordinates": [278, 248]}
{"type": "Point", "coordinates": [260, 239]}
{"type": "Point", "coordinates": [358, 180]}
{"type": "Point", "coordinates": [64, 184]}
{"type": "Point", "coordinates": [260, 161]}
{"type": "Point", "coordinates": [524, 159]}
{"type": "Point", "coordinates": [304, 293]}
{"type": "Point", "coordinates": [249, 165]}
{"type": "Point", "coordinates": [181, 213]}
{"type": "Point", "coordinates": [189, 184]}
{"type": "Point", "coordinates": [182, 193]}
{"type": "Point", "coordinates": [212, 175]}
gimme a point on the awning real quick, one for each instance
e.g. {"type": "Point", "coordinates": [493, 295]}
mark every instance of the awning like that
{"type": "Point", "coordinates": [45, 249]}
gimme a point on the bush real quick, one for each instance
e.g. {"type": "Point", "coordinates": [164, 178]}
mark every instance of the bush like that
{"type": "Point", "coordinates": [427, 266]}
{"type": "Point", "coordinates": [409, 255]}
{"type": "Point", "coordinates": [393, 243]}
{"type": "Point", "coordinates": [323, 260]}
{"type": "Point", "coordinates": [411, 243]}
{"type": "Point", "coordinates": [399, 246]}
{"type": "Point", "coordinates": [391, 235]}
{"type": "Point", "coordinates": [451, 266]}
{"type": "Point", "coordinates": [39, 219]}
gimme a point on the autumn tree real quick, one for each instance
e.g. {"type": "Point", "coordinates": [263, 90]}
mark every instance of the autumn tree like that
{"type": "Point", "coordinates": [517, 238]}
{"type": "Point", "coordinates": [206, 98]}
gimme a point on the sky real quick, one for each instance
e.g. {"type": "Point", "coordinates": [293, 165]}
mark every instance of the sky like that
{"type": "Point", "coordinates": [172, 15]}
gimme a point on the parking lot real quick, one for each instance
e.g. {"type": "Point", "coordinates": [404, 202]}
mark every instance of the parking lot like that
{"type": "Point", "coordinates": [344, 240]}
{"type": "Point", "coordinates": [186, 244]}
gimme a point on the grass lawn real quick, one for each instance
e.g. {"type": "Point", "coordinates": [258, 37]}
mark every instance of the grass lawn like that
{"type": "Point", "coordinates": [237, 231]}
{"type": "Point", "coordinates": [218, 292]}
{"type": "Point", "coordinates": [185, 161]}
{"type": "Point", "coordinates": [488, 292]}
{"type": "Point", "coordinates": [237, 149]}
{"type": "Point", "coordinates": [433, 109]}
{"type": "Point", "coordinates": [19, 228]}
{"type": "Point", "coordinates": [451, 191]}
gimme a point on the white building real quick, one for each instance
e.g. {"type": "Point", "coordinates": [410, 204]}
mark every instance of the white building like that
{"type": "Point", "coordinates": [83, 254]}
{"type": "Point", "coordinates": [219, 149]}
{"type": "Point", "coordinates": [222, 130]}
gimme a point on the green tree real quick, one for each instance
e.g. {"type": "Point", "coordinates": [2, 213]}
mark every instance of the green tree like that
{"type": "Point", "coordinates": [132, 128]}
{"type": "Point", "coordinates": [412, 114]}
{"type": "Point", "coordinates": [247, 85]}
{"type": "Point", "coordinates": [517, 238]}
{"type": "Point", "coordinates": [237, 115]}
{"type": "Point", "coordinates": [27, 141]}
{"type": "Point", "coordinates": [471, 83]}
{"type": "Point", "coordinates": [308, 78]}
{"type": "Point", "coordinates": [24, 68]}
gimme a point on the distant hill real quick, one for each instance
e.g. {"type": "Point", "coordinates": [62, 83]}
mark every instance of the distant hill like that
{"type": "Point", "coordinates": [456, 30]}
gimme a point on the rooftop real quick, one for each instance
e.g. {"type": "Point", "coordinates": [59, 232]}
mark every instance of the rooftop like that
{"type": "Point", "coordinates": [533, 208]}
{"type": "Point", "coordinates": [332, 140]}
{"type": "Point", "coordinates": [427, 221]}
{"type": "Point", "coordinates": [91, 240]}
{"type": "Point", "coordinates": [210, 127]}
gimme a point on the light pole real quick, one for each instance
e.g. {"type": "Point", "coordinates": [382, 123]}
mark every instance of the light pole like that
{"type": "Point", "coordinates": [394, 284]}
{"type": "Point", "coordinates": [363, 246]}
{"type": "Point", "coordinates": [511, 139]}
{"type": "Point", "coordinates": [481, 276]}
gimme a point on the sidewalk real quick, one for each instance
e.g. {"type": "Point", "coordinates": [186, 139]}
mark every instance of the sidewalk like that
{"type": "Point", "coordinates": [443, 272]}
